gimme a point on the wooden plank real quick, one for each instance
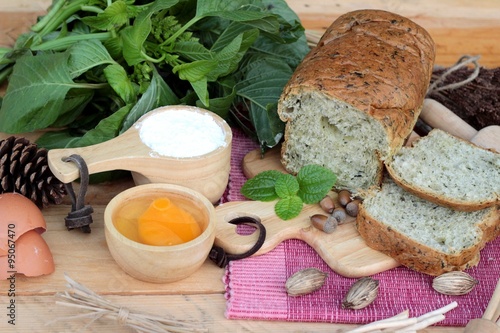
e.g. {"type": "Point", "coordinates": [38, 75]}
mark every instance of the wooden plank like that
{"type": "Point", "coordinates": [205, 309]}
{"type": "Point", "coordinates": [458, 27]}
{"type": "Point", "coordinates": [86, 258]}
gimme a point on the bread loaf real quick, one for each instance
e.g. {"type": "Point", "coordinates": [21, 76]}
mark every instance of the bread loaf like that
{"type": "Point", "coordinates": [356, 96]}
{"type": "Point", "coordinates": [421, 235]}
{"type": "Point", "coordinates": [448, 171]}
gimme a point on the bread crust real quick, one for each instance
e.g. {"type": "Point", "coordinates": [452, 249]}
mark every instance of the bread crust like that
{"type": "Point", "coordinates": [379, 62]}
{"type": "Point", "coordinates": [420, 257]}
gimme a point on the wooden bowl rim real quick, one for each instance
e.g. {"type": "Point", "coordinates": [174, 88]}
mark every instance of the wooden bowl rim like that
{"type": "Point", "coordinates": [228, 134]}
{"type": "Point", "coordinates": [115, 202]}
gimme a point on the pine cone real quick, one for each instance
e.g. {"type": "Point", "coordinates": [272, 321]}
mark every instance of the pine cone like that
{"type": "Point", "coordinates": [24, 169]}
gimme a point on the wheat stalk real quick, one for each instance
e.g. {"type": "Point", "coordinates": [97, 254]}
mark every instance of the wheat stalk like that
{"type": "Point", "coordinates": [95, 307]}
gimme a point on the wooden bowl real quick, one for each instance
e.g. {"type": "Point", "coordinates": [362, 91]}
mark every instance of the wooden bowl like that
{"type": "Point", "coordinates": [161, 264]}
{"type": "Point", "coordinates": [207, 173]}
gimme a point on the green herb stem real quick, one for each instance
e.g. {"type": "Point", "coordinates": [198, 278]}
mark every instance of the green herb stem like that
{"type": "Point", "coordinates": [65, 42]}
{"type": "Point", "coordinates": [153, 60]}
{"type": "Point", "coordinates": [91, 85]}
{"type": "Point", "coordinates": [92, 9]}
{"type": "Point", "coordinates": [179, 32]}
{"type": "Point", "coordinates": [53, 11]}
{"type": "Point", "coordinates": [62, 15]}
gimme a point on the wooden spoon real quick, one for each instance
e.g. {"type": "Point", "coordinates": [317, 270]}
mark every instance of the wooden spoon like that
{"type": "Point", "coordinates": [207, 174]}
{"type": "Point", "coordinates": [487, 324]}
{"type": "Point", "coordinates": [439, 116]}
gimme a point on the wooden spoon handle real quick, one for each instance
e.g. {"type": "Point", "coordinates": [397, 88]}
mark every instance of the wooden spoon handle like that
{"type": "Point", "coordinates": [493, 309]}
{"type": "Point", "coordinates": [488, 137]}
{"type": "Point", "coordinates": [439, 116]}
{"type": "Point", "coordinates": [482, 326]}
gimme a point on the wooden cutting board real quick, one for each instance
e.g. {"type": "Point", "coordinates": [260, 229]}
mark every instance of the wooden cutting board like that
{"type": "Point", "coordinates": [343, 250]}
{"type": "Point", "coordinates": [254, 162]}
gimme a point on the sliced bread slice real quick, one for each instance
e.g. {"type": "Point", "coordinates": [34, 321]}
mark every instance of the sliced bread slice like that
{"type": "Point", "coordinates": [448, 171]}
{"type": "Point", "coordinates": [421, 235]}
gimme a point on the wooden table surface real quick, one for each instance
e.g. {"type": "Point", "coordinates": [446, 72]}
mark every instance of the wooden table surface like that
{"type": "Point", "coordinates": [458, 27]}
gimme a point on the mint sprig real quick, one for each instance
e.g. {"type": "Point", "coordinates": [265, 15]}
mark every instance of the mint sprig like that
{"type": "Point", "coordinates": [310, 185]}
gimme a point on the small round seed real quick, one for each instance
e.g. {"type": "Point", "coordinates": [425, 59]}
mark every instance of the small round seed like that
{"type": "Point", "coordinates": [352, 207]}
{"type": "Point", "coordinates": [324, 223]}
{"type": "Point", "coordinates": [344, 197]}
{"type": "Point", "coordinates": [327, 204]}
{"type": "Point", "coordinates": [340, 214]}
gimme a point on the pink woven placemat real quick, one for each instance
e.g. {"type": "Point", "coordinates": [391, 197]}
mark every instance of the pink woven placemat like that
{"type": "Point", "coordinates": [255, 287]}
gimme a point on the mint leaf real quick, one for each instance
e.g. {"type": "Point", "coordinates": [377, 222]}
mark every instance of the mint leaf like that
{"type": "Point", "coordinates": [310, 186]}
{"type": "Point", "coordinates": [261, 187]}
{"type": "Point", "coordinates": [315, 181]}
{"type": "Point", "coordinates": [286, 186]}
{"type": "Point", "coordinates": [288, 208]}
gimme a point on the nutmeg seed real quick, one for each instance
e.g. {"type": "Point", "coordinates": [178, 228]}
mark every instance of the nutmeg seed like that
{"type": "Point", "coordinates": [344, 197]}
{"type": "Point", "coordinates": [324, 223]}
{"type": "Point", "coordinates": [305, 281]}
{"type": "Point", "coordinates": [361, 294]}
{"type": "Point", "coordinates": [454, 283]}
{"type": "Point", "coordinates": [327, 204]}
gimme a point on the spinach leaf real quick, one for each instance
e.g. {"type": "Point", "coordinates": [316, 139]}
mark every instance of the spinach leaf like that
{"type": "Point", "coordinates": [119, 81]}
{"type": "Point", "coordinates": [86, 55]}
{"type": "Point", "coordinates": [46, 80]}
{"type": "Point", "coordinates": [261, 84]}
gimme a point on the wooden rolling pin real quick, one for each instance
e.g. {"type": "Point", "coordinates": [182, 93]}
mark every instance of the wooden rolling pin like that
{"type": "Point", "coordinates": [439, 116]}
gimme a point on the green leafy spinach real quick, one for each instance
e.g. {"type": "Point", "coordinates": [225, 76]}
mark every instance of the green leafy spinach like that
{"type": "Point", "coordinates": [93, 67]}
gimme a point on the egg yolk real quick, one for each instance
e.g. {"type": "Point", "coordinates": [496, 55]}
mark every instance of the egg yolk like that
{"type": "Point", "coordinates": [164, 223]}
